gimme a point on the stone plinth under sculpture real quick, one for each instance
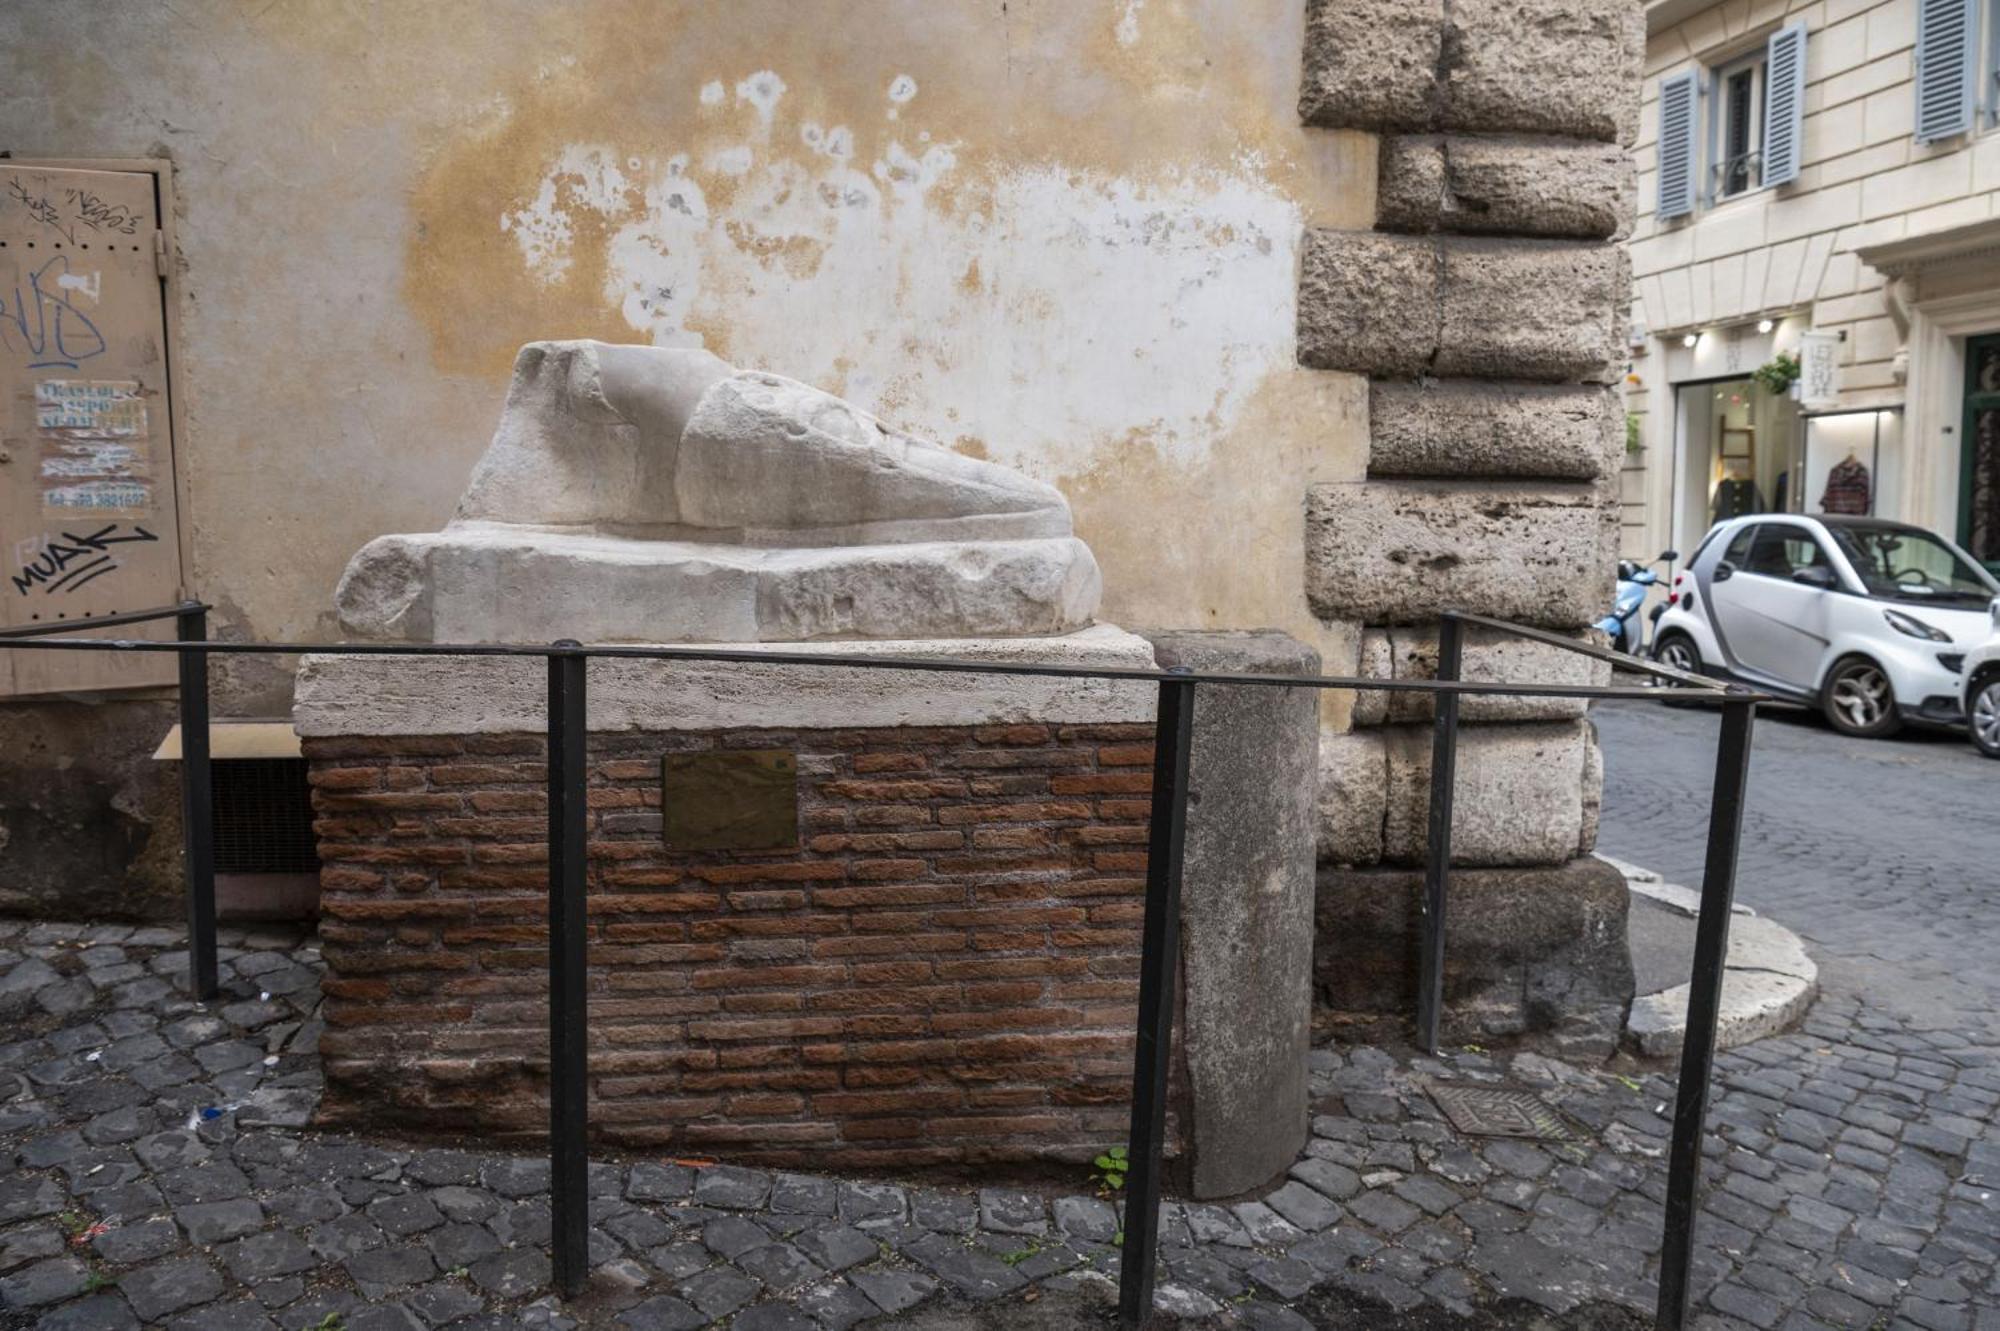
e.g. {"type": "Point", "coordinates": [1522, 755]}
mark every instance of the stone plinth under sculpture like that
{"type": "Point", "coordinates": [938, 968]}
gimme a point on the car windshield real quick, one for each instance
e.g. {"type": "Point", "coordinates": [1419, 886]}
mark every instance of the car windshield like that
{"type": "Point", "coordinates": [1912, 566]}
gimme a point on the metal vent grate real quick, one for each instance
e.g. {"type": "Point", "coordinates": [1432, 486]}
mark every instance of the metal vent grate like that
{"type": "Point", "coordinates": [264, 817]}
{"type": "Point", "coordinates": [1488, 1111]}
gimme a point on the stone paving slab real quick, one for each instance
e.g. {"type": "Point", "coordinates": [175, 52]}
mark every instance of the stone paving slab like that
{"type": "Point", "coordinates": [1853, 1184]}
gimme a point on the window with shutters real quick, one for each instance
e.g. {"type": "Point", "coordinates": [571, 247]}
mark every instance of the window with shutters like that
{"type": "Point", "coordinates": [1947, 38]}
{"type": "Point", "coordinates": [1736, 153]}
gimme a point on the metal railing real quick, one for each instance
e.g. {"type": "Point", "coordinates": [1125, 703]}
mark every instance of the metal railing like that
{"type": "Point", "coordinates": [567, 664]}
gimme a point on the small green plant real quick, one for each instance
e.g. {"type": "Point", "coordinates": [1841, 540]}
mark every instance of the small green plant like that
{"type": "Point", "coordinates": [1635, 440]}
{"type": "Point", "coordinates": [95, 1281]}
{"type": "Point", "coordinates": [1777, 374]}
{"type": "Point", "coordinates": [1112, 1167]}
{"type": "Point", "coordinates": [330, 1322]}
{"type": "Point", "coordinates": [1019, 1255]}
{"type": "Point", "coordinates": [1629, 1084]}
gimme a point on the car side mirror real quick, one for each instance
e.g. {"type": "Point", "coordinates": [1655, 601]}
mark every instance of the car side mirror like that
{"type": "Point", "coordinates": [1724, 571]}
{"type": "Point", "coordinates": [1668, 556]}
{"type": "Point", "coordinates": [1817, 576]}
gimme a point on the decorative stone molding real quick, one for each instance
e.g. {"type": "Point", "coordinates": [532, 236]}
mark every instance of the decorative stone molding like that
{"type": "Point", "coordinates": [1403, 552]}
{"type": "Point", "coordinates": [1566, 67]}
{"type": "Point", "coordinates": [1429, 428]}
{"type": "Point", "coordinates": [1399, 306]}
{"type": "Point", "coordinates": [1558, 188]}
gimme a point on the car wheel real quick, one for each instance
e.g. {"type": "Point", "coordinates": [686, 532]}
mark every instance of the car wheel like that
{"type": "Point", "coordinates": [1859, 700]}
{"type": "Point", "coordinates": [1982, 716]}
{"type": "Point", "coordinates": [1678, 651]}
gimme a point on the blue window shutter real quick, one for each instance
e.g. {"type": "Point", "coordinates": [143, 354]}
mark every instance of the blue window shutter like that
{"type": "Point", "coordinates": [1677, 169]}
{"type": "Point", "coordinates": [1945, 40]}
{"type": "Point", "coordinates": [1784, 103]}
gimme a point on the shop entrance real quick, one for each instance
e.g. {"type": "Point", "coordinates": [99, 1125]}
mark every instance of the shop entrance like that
{"type": "Point", "coordinates": [1979, 454]}
{"type": "Point", "coordinates": [1736, 452]}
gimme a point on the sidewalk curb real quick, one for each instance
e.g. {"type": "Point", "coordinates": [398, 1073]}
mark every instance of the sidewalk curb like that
{"type": "Point", "coordinates": [1768, 980]}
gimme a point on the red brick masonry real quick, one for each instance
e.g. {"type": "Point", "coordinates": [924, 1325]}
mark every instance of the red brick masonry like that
{"type": "Point", "coordinates": [943, 973]}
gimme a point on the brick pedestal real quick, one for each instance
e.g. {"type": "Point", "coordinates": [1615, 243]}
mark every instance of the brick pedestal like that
{"type": "Point", "coordinates": [943, 972]}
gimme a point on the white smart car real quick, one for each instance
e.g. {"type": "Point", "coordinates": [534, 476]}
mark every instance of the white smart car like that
{"type": "Point", "coordinates": [1982, 690]}
{"type": "Point", "coordinates": [1868, 620]}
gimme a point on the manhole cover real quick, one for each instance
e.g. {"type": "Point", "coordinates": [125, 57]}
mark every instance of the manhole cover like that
{"type": "Point", "coordinates": [1484, 1111]}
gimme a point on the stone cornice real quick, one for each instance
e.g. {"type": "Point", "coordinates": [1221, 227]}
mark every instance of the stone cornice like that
{"type": "Point", "coordinates": [1897, 258]}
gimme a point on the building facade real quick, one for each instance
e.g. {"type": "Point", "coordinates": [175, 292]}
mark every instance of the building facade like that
{"type": "Point", "coordinates": [1312, 308]}
{"type": "Point", "coordinates": [1816, 180]}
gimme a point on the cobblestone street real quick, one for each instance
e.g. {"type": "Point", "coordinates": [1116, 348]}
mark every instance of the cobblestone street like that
{"type": "Point", "coordinates": [162, 1173]}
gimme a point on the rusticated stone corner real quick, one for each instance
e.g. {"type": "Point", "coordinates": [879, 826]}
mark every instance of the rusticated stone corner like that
{"type": "Point", "coordinates": [1457, 428]}
{"type": "Point", "coordinates": [1557, 188]}
{"type": "Point", "coordinates": [1372, 64]}
{"type": "Point", "coordinates": [1402, 552]}
{"type": "Point", "coordinates": [1399, 306]}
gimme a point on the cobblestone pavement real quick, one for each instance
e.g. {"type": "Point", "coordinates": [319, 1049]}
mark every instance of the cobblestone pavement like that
{"type": "Point", "coordinates": [161, 1172]}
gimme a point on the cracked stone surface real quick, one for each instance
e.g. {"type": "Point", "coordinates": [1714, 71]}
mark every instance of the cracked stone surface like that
{"type": "Point", "coordinates": [1853, 1179]}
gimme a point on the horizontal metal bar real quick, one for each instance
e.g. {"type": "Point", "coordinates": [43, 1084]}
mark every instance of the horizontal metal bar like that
{"type": "Point", "coordinates": [103, 621]}
{"type": "Point", "coordinates": [1707, 692]}
{"type": "Point", "coordinates": [1636, 664]}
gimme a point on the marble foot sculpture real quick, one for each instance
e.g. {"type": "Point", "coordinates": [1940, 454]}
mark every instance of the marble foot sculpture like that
{"type": "Point", "coordinates": [644, 494]}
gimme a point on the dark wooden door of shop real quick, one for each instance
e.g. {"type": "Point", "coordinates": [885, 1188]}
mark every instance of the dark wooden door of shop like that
{"type": "Point", "coordinates": [1979, 453]}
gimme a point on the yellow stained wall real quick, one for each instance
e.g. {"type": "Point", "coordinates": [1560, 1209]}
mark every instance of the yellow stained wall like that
{"type": "Point", "coordinates": [1061, 234]}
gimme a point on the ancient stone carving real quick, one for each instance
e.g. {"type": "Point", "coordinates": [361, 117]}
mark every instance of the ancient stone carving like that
{"type": "Point", "coordinates": [659, 495]}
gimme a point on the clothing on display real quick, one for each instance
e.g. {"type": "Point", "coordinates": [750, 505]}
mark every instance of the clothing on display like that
{"type": "Point", "coordinates": [1734, 498]}
{"type": "Point", "coordinates": [1847, 488]}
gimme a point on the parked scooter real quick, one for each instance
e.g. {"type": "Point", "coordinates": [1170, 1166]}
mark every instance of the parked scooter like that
{"type": "Point", "coordinates": [1622, 624]}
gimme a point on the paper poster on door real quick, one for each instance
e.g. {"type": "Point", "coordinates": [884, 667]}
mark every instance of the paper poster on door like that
{"type": "Point", "coordinates": [96, 456]}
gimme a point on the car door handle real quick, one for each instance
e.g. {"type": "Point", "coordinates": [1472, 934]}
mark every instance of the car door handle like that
{"type": "Point", "coordinates": [1723, 572]}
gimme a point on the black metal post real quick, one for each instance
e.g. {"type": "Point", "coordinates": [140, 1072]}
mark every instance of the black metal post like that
{"type": "Point", "coordinates": [1711, 950]}
{"type": "Point", "coordinates": [1437, 864]}
{"type": "Point", "coordinates": [1159, 964]}
{"type": "Point", "coordinates": [197, 804]}
{"type": "Point", "coordinates": [569, 1211]}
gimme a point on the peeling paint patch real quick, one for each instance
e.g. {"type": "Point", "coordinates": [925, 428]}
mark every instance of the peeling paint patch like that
{"type": "Point", "coordinates": [1041, 303]}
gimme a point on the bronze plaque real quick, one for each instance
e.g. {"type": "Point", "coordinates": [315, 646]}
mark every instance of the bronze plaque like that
{"type": "Point", "coordinates": [737, 799]}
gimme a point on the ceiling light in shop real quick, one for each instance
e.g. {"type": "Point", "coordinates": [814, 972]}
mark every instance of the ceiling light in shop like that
{"type": "Point", "coordinates": [1690, 340]}
{"type": "Point", "coordinates": [1766, 325]}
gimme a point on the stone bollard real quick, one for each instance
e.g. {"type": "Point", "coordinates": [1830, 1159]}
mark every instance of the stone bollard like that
{"type": "Point", "coordinates": [1246, 910]}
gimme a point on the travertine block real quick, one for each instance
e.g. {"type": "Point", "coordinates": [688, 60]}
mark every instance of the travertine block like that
{"type": "Point", "coordinates": [1432, 428]}
{"type": "Point", "coordinates": [1491, 66]}
{"type": "Point", "coordinates": [1402, 552]}
{"type": "Point", "coordinates": [1519, 797]}
{"type": "Point", "coordinates": [1399, 306]}
{"type": "Point", "coordinates": [1505, 186]}
{"type": "Point", "coordinates": [1372, 64]}
{"type": "Point", "coordinates": [1368, 303]}
{"type": "Point", "coordinates": [1411, 653]}
{"type": "Point", "coordinates": [1532, 309]}
{"type": "Point", "coordinates": [1544, 66]}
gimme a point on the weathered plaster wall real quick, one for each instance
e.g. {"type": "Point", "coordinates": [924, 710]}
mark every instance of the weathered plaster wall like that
{"type": "Point", "coordinates": [1064, 236]}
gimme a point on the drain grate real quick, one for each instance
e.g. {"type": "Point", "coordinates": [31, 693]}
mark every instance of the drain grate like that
{"type": "Point", "coordinates": [1486, 1111]}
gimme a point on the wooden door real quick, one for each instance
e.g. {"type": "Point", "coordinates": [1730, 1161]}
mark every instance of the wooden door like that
{"type": "Point", "coordinates": [1979, 453]}
{"type": "Point", "coordinates": [88, 519]}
